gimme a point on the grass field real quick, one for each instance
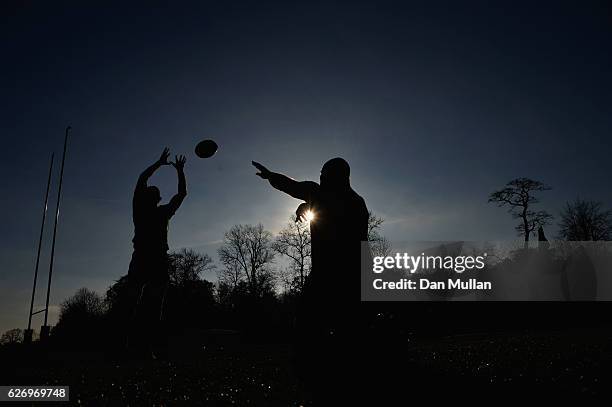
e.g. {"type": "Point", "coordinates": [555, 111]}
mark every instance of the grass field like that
{"type": "Point", "coordinates": [228, 371]}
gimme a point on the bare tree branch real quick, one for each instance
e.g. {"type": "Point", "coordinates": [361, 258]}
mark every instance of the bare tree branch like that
{"type": "Point", "coordinates": [246, 253]}
{"type": "Point", "coordinates": [518, 196]}
{"type": "Point", "coordinates": [294, 242]}
{"type": "Point", "coordinates": [584, 221]}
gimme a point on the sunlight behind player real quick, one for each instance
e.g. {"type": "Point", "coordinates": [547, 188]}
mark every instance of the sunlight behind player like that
{"type": "Point", "coordinates": [309, 216]}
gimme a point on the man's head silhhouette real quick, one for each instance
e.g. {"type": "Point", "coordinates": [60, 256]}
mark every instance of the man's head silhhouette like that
{"type": "Point", "coordinates": [335, 173]}
{"type": "Point", "coordinates": [152, 196]}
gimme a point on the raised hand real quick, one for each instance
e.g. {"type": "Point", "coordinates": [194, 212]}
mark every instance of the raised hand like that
{"type": "Point", "coordinates": [263, 171]}
{"type": "Point", "coordinates": [300, 212]}
{"type": "Point", "coordinates": [163, 158]}
{"type": "Point", "coordinates": [179, 162]}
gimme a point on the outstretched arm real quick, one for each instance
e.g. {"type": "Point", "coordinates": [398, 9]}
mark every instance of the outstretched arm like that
{"type": "Point", "coordinates": [177, 200]}
{"type": "Point", "coordinates": [146, 174]}
{"type": "Point", "coordinates": [303, 190]}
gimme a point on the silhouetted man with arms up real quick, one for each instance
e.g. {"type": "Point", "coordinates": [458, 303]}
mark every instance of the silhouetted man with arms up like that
{"type": "Point", "coordinates": [329, 310]}
{"type": "Point", "coordinates": [148, 272]}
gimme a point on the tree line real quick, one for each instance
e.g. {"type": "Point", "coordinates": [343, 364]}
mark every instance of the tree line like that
{"type": "Point", "coordinates": [580, 220]}
{"type": "Point", "coordinates": [250, 284]}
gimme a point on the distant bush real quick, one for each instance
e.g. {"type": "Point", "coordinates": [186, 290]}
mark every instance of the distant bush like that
{"type": "Point", "coordinates": [11, 337]}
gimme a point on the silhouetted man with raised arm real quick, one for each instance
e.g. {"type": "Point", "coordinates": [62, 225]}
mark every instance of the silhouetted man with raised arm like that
{"type": "Point", "coordinates": [148, 272]}
{"type": "Point", "coordinates": [326, 318]}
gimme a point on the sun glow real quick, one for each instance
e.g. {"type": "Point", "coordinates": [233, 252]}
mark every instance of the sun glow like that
{"type": "Point", "coordinates": [309, 216]}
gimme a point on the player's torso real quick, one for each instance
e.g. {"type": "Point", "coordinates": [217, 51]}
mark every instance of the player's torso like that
{"type": "Point", "coordinates": [151, 230]}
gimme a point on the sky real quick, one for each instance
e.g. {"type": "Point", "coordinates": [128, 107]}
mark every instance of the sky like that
{"type": "Point", "coordinates": [434, 105]}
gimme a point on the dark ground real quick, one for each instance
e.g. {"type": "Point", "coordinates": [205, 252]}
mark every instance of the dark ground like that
{"type": "Point", "coordinates": [218, 368]}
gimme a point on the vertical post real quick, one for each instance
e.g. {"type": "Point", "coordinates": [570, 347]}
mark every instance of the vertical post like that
{"type": "Point", "coordinates": [44, 331]}
{"type": "Point", "coordinates": [29, 332]}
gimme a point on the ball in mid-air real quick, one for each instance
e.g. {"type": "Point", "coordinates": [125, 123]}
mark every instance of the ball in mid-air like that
{"type": "Point", "coordinates": [206, 148]}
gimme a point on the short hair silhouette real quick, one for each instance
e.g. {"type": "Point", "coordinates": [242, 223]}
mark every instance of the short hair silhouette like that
{"type": "Point", "coordinates": [152, 195]}
{"type": "Point", "coordinates": [335, 172]}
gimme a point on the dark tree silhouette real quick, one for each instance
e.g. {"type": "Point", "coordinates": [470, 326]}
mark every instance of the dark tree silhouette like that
{"type": "Point", "coordinates": [247, 250]}
{"type": "Point", "coordinates": [379, 244]}
{"type": "Point", "coordinates": [83, 303]}
{"type": "Point", "coordinates": [189, 298]}
{"type": "Point", "coordinates": [294, 242]}
{"type": "Point", "coordinates": [191, 304]}
{"type": "Point", "coordinates": [246, 288]}
{"type": "Point", "coordinates": [188, 266]}
{"type": "Point", "coordinates": [585, 220]}
{"type": "Point", "coordinates": [230, 275]}
{"type": "Point", "coordinates": [116, 295]}
{"type": "Point", "coordinates": [119, 300]}
{"type": "Point", "coordinates": [12, 336]}
{"type": "Point", "coordinates": [231, 296]}
{"type": "Point", "coordinates": [518, 196]}
{"type": "Point", "coordinates": [80, 318]}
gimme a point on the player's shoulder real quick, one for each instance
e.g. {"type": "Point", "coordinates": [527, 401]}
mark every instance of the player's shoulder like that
{"type": "Point", "coordinates": [311, 184]}
{"type": "Point", "coordinates": [359, 203]}
{"type": "Point", "coordinates": [311, 188]}
{"type": "Point", "coordinates": [358, 198]}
